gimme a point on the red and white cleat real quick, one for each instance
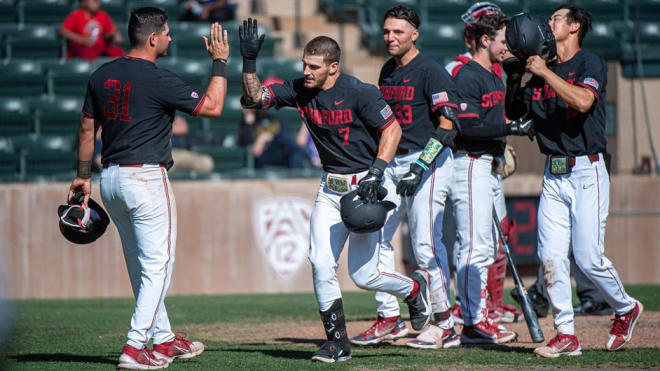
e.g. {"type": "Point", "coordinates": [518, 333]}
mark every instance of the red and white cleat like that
{"type": "Point", "coordinates": [382, 329]}
{"type": "Point", "coordinates": [560, 345]}
{"type": "Point", "coordinates": [139, 359]}
{"type": "Point", "coordinates": [179, 347]}
{"type": "Point", "coordinates": [623, 326]}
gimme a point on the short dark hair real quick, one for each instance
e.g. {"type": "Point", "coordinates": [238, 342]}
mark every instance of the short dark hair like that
{"type": "Point", "coordinates": [488, 24]}
{"type": "Point", "coordinates": [579, 15]}
{"type": "Point", "coordinates": [403, 12]}
{"type": "Point", "coordinates": [143, 22]}
{"type": "Point", "coordinates": [325, 47]}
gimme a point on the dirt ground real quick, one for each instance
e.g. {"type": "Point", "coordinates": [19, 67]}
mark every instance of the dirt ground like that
{"type": "Point", "coordinates": [592, 332]}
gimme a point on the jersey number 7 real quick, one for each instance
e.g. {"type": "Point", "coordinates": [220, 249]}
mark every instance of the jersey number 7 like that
{"type": "Point", "coordinates": [114, 100]}
{"type": "Point", "coordinates": [346, 132]}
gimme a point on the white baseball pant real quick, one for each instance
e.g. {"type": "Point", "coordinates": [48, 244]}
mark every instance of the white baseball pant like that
{"type": "Point", "coordinates": [425, 212]}
{"type": "Point", "coordinates": [141, 204]}
{"type": "Point", "coordinates": [328, 237]}
{"type": "Point", "coordinates": [573, 209]}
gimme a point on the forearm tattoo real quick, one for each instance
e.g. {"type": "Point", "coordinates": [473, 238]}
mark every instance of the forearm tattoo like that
{"type": "Point", "coordinates": [251, 88]}
{"type": "Point", "coordinates": [84, 169]}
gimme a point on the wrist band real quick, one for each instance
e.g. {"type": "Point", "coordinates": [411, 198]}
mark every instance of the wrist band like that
{"type": "Point", "coordinates": [219, 67]}
{"type": "Point", "coordinates": [84, 169]}
{"type": "Point", "coordinates": [249, 65]}
{"type": "Point", "coordinates": [433, 147]}
{"type": "Point", "coordinates": [380, 164]}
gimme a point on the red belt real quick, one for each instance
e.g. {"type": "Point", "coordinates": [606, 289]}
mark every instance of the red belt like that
{"type": "Point", "coordinates": [131, 165]}
{"type": "Point", "coordinates": [592, 159]}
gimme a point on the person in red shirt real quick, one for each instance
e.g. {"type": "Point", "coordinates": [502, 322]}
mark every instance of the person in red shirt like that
{"type": "Point", "coordinates": [91, 33]}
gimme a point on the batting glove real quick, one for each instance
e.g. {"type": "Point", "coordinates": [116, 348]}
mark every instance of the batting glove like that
{"type": "Point", "coordinates": [523, 127]}
{"type": "Point", "coordinates": [249, 39]}
{"type": "Point", "coordinates": [368, 186]}
{"type": "Point", "coordinates": [408, 184]}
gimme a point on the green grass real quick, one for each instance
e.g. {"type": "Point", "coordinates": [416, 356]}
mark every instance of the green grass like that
{"type": "Point", "coordinates": [88, 335]}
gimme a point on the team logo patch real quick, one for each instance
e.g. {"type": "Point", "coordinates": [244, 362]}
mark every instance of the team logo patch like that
{"type": "Point", "coordinates": [194, 95]}
{"type": "Point", "coordinates": [386, 112]}
{"type": "Point", "coordinates": [591, 82]}
{"type": "Point", "coordinates": [463, 106]}
{"type": "Point", "coordinates": [439, 98]}
{"type": "Point", "coordinates": [281, 226]}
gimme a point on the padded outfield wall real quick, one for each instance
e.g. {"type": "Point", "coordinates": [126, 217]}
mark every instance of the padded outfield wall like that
{"type": "Point", "coordinates": [245, 236]}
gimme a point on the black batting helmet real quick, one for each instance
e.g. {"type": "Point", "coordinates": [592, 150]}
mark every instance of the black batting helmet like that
{"type": "Point", "coordinates": [82, 225]}
{"type": "Point", "coordinates": [528, 35]}
{"type": "Point", "coordinates": [361, 216]}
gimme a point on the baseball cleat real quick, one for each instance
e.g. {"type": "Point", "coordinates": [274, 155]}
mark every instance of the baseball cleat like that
{"type": "Point", "coordinates": [457, 314]}
{"type": "Point", "coordinates": [504, 313]}
{"type": "Point", "coordinates": [486, 332]}
{"type": "Point", "coordinates": [139, 359]}
{"type": "Point", "coordinates": [623, 327]}
{"type": "Point", "coordinates": [560, 345]}
{"type": "Point", "coordinates": [330, 352]}
{"type": "Point", "coordinates": [589, 308]}
{"type": "Point", "coordinates": [382, 329]}
{"type": "Point", "coordinates": [419, 306]}
{"type": "Point", "coordinates": [179, 347]}
{"type": "Point", "coordinates": [435, 337]}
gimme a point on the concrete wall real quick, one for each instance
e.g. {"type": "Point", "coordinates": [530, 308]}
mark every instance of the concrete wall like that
{"type": "Point", "coordinates": [250, 236]}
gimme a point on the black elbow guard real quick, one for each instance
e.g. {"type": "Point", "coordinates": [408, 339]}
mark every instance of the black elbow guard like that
{"type": "Point", "coordinates": [450, 114]}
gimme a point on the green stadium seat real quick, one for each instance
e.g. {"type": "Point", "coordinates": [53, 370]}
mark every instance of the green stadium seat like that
{"type": "Point", "coordinates": [46, 11]}
{"type": "Point", "coordinates": [58, 115]}
{"type": "Point", "coordinates": [603, 41]}
{"type": "Point", "coordinates": [187, 40]}
{"type": "Point", "coordinates": [442, 39]}
{"type": "Point", "coordinates": [644, 10]}
{"type": "Point", "coordinates": [289, 119]}
{"type": "Point", "coordinates": [8, 11]}
{"type": "Point", "coordinates": [603, 10]}
{"type": "Point", "coordinates": [38, 41]}
{"type": "Point", "coordinates": [67, 77]}
{"type": "Point", "coordinates": [15, 118]}
{"type": "Point", "coordinates": [509, 7]}
{"type": "Point", "coordinates": [47, 163]}
{"type": "Point", "coordinates": [436, 11]}
{"type": "Point", "coordinates": [116, 9]}
{"type": "Point", "coordinates": [41, 142]}
{"type": "Point", "coordinates": [9, 166]}
{"type": "Point", "coordinates": [543, 8]}
{"type": "Point", "coordinates": [649, 32]}
{"type": "Point", "coordinates": [171, 7]}
{"type": "Point", "coordinates": [192, 71]}
{"type": "Point", "coordinates": [21, 78]}
{"type": "Point", "coordinates": [285, 69]}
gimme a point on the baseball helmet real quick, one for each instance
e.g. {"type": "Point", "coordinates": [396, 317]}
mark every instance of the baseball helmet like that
{"type": "Point", "coordinates": [477, 10]}
{"type": "Point", "coordinates": [361, 216]}
{"type": "Point", "coordinates": [82, 225]}
{"type": "Point", "coordinates": [528, 35]}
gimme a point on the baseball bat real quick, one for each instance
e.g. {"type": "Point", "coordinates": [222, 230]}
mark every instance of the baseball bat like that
{"type": "Point", "coordinates": [528, 311]}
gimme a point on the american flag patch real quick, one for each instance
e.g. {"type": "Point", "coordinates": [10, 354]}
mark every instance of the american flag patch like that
{"type": "Point", "coordinates": [439, 98]}
{"type": "Point", "coordinates": [194, 95]}
{"type": "Point", "coordinates": [386, 112]}
{"type": "Point", "coordinates": [591, 82]}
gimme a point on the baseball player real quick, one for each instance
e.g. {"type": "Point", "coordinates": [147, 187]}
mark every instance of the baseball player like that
{"type": "Point", "coordinates": [566, 99]}
{"type": "Point", "coordinates": [497, 310]}
{"type": "Point", "coordinates": [483, 127]}
{"type": "Point", "coordinates": [345, 118]}
{"type": "Point", "coordinates": [135, 102]}
{"type": "Point", "coordinates": [423, 97]}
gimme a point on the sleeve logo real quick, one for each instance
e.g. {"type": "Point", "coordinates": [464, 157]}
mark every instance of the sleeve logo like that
{"type": "Point", "coordinates": [591, 82]}
{"type": "Point", "coordinates": [439, 98]}
{"type": "Point", "coordinates": [194, 95]}
{"type": "Point", "coordinates": [386, 112]}
{"type": "Point", "coordinates": [463, 106]}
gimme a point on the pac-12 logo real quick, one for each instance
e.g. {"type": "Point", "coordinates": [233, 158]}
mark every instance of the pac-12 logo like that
{"type": "Point", "coordinates": [282, 232]}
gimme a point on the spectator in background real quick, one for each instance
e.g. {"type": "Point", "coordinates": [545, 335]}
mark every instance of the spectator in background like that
{"type": "Point", "coordinates": [207, 10]}
{"type": "Point", "coordinates": [185, 159]}
{"type": "Point", "coordinates": [271, 146]}
{"type": "Point", "coordinates": [304, 140]}
{"type": "Point", "coordinates": [91, 33]}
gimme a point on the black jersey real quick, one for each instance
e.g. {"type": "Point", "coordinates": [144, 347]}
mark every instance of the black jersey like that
{"type": "Point", "coordinates": [135, 101]}
{"type": "Point", "coordinates": [481, 96]}
{"type": "Point", "coordinates": [344, 121]}
{"type": "Point", "coordinates": [415, 92]}
{"type": "Point", "coordinates": [561, 130]}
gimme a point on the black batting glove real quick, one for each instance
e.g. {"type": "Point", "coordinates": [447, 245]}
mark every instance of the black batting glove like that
{"type": "Point", "coordinates": [250, 43]}
{"type": "Point", "coordinates": [408, 184]}
{"type": "Point", "coordinates": [368, 186]}
{"type": "Point", "coordinates": [523, 127]}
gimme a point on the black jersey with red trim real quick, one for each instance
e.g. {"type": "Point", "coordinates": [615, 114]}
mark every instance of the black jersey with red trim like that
{"type": "Point", "coordinates": [415, 92]}
{"type": "Point", "coordinates": [481, 96]}
{"type": "Point", "coordinates": [344, 121]}
{"type": "Point", "coordinates": [135, 102]}
{"type": "Point", "coordinates": [562, 130]}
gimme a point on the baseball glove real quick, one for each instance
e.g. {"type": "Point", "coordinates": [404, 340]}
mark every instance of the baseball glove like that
{"type": "Point", "coordinates": [509, 165]}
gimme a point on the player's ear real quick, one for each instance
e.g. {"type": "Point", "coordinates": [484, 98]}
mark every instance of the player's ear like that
{"type": "Point", "coordinates": [484, 40]}
{"type": "Point", "coordinates": [415, 34]}
{"type": "Point", "coordinates": [152, 39]}
{"type": "Point", "coordinates": [333, 67]}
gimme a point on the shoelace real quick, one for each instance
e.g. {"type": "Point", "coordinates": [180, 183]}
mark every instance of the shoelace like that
{"type": "Point", "coordinates": [149, 353]}
{"type": "Point", "coordinates": [557, 339]}
{"type": "Point", "coordinates": [182, 336]}
{"type": "Point", "coordinates": [620, 326]}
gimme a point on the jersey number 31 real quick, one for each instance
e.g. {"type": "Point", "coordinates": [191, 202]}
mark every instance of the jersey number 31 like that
{"type": "Point", "coordinates": [114, 100]}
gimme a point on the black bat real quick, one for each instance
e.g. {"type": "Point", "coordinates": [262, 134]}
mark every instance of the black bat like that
{"type": "Point", "coordinates": [530, 315]}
